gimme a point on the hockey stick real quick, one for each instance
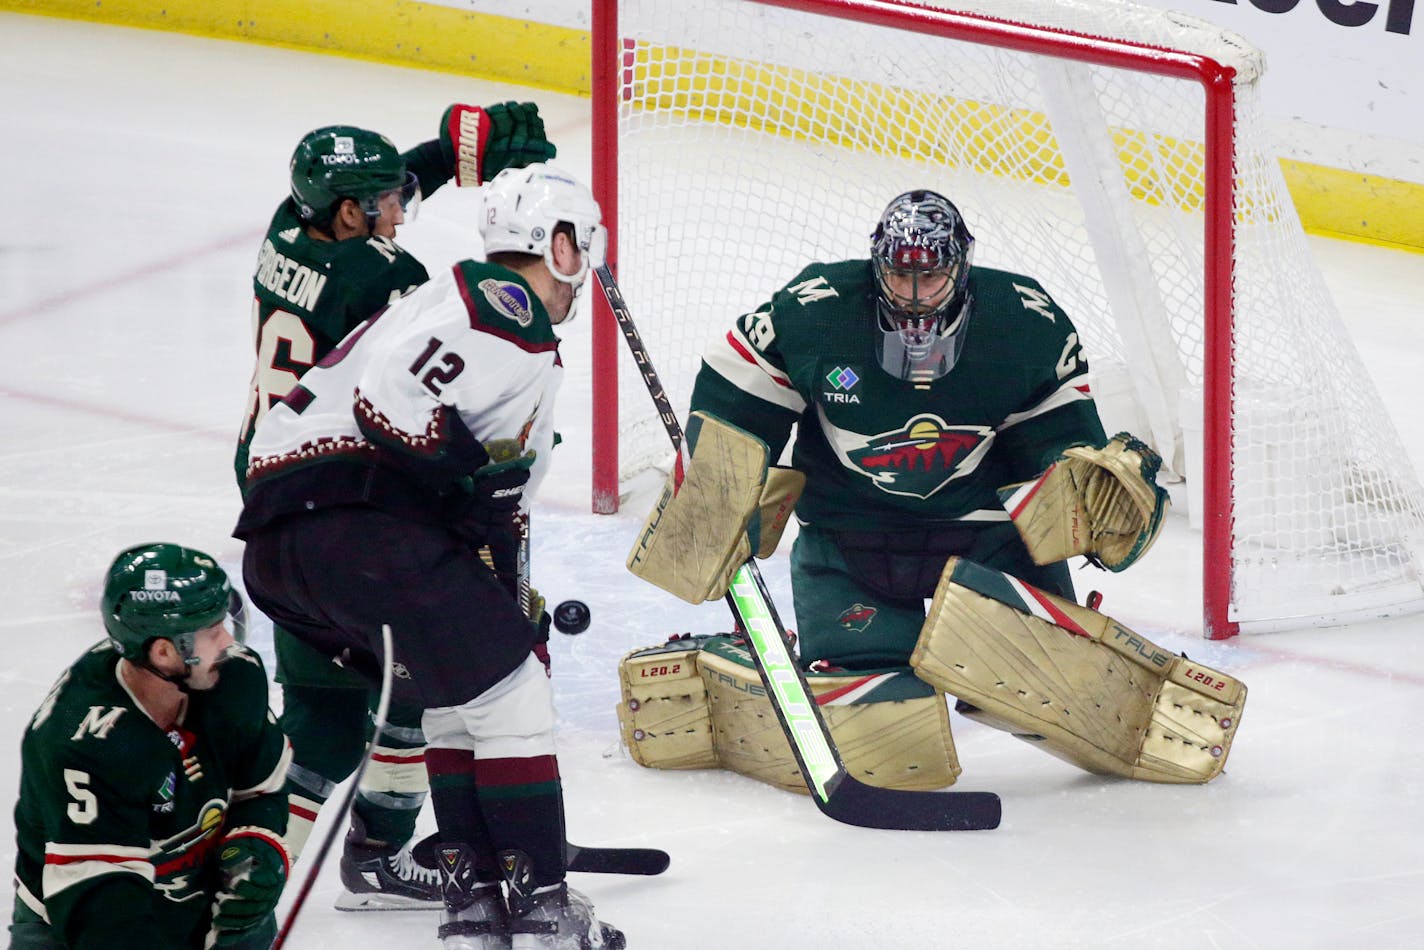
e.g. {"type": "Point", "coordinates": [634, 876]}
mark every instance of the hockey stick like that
{"type": "Point", "coordinates": [339, 822]}
{"type": "Point", "coordinates": [836, 792]}
{"type": "Point", "coordinates": [646, 861]}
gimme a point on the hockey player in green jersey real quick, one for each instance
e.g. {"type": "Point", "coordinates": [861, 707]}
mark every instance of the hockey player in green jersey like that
{"type": "Point", "coordinates": [151, 812]}
{"type": "Point", "coordinates": [919, 385]}
{"type": "Point", "coordinates": [329, 261]}
{"type": "Point", "coordinates": [953, 461]}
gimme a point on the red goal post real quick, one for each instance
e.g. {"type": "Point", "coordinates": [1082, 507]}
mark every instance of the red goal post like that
{"type": "Point", "coordinates": [1112, 151]}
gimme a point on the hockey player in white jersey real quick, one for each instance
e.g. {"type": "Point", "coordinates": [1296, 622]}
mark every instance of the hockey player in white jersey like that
{"type": "Point", "coordinates": [371, 490]}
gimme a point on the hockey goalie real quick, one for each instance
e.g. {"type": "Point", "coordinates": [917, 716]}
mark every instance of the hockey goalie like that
{"type": "Point", "coordinates": [947, 451]}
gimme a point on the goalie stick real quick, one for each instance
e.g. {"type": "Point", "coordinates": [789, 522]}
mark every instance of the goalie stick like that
{"type": "Point", "coordinates": [339, 822]}
{"type": "Point", "coordinates": [835, 791]}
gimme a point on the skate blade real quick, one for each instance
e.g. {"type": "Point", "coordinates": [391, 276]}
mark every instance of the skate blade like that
{"type": "Point", "coordinates": [346, 900]}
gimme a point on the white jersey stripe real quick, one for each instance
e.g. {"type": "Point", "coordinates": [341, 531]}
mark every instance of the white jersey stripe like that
{"type": "Point", "coordinates": [273, 782]}
{"type": "Point", "coordinates": [736, 360]}
{"type": "Point", "coordinates": [1074, 390]}
{"type": "Point", "coordinates": [67, 865]}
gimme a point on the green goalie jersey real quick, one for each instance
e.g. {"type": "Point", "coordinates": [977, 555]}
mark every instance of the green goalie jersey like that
{"type": "Point", "coordinates": [308, 294]}
{"type": "Point", "coordinates": [882, 453]}
{"type": "Point", "coordinates": [118, 821]}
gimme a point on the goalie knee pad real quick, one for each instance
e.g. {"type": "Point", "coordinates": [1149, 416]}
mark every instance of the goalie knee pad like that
{"type": "Point", "coordinates": [1074, 681]}
{"type": "Point", "coordinates": [698, 702]}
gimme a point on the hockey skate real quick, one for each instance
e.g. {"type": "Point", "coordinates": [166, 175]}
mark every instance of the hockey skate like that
{"type": "Point", "coordinates": [474, 917]}
{"type": "Point", "coordinates": [556, 917]}
{"type": "Point", "coordinates": [380, 877]}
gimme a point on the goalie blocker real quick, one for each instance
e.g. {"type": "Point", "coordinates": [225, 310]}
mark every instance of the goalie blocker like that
{"type": "Point", "coordinates": [729, 506]}
{"type": "Point", "coordinates": [1074, 681]}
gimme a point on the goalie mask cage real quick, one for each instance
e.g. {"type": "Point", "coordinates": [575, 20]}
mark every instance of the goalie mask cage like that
{"type": "Point", "coordinates": [1114, 152]}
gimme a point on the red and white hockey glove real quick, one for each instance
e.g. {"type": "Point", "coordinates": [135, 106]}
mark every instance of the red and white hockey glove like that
{"type": "Point", "coordinates": [480, 143]}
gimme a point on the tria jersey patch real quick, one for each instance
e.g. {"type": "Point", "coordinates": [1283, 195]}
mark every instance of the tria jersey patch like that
{"type": "Point", "coordinates": [840, 384]}
{"type": "Point", "coordinates": [916, 459]}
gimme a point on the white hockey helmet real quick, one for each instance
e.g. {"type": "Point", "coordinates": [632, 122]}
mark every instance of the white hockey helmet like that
{"type": "Point", "coordinates": [522, 207]}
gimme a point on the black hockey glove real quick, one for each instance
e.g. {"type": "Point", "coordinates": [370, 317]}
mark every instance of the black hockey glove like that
{"type": "Point", "coordinates": [487, 501]}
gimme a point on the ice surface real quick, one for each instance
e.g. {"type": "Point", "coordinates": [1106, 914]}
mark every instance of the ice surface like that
{"type": "Point", "coordinates": [138, 172]}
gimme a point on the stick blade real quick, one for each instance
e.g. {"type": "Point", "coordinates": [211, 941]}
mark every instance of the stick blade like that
{"type": "Point", "coordinates": [855, 803]}
{"type": "Point", "coordinates": [646, 861]}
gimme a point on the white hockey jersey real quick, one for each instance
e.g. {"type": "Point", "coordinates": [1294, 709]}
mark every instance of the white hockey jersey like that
{"type": "Point", "coordinates": [475, 339]}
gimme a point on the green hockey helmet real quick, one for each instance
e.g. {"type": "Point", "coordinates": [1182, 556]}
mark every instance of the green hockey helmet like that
{"type": "Point", "coordinates": [337, 162]}
{"type": "Point", "coordinates": [165, 591]}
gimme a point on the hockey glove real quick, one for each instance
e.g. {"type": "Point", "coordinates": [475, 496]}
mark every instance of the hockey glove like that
{"type": "Point", "coordinates": [489, 498]}
{"type": "Point", "coordinates": [1103, 503]}
{"type": "Point", "coordinates": [253, 869]}
{"type": "Point", "coordinates": [481, 143]}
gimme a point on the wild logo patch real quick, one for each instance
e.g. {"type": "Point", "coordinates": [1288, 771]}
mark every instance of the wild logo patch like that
{"type": "Point", "coordinates": [857, 617]}
{"type": "Point", "coordinates": [178, 860]}
{"type": "Point", "coordinates": [509, 299]}
{"type": "Point", "coordinates": [921, 457]}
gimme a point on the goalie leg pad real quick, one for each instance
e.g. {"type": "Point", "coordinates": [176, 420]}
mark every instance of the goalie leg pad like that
{"type": "Point", "coordinates": [892, 729]}
{"type": "Point", "coordinates": [663, 718]}
{"type": "Point", "coordinates": [1074, 681]}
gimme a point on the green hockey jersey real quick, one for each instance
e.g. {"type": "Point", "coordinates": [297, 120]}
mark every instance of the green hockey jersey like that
{"type": "Point", "coordinates": [880, 452]}
{"type": "Point", "coordinates": [308, 294]}
{"type": "Point", "coordinates": [118, 820]}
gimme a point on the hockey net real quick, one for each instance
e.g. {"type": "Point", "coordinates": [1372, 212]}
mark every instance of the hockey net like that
{"type": "Point", "coordinates": [1114, 152]}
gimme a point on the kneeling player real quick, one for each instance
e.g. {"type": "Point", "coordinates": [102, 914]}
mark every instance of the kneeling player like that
{"type": "Point", "coordinates": [151, 808]}
{"type": "Point", "coordinates": [929, 396]}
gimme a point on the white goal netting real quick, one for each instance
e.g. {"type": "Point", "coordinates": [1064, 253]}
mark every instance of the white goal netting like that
{"type": "Point", "coordinates": [753, 139]}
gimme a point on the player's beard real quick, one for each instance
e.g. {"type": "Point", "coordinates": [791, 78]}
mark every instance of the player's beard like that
{"type": "Point", "coordinates": [203, 678]}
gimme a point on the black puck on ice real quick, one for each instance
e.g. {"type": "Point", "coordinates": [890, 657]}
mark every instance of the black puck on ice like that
{"type": "Point", "coordinates": [571, 616]}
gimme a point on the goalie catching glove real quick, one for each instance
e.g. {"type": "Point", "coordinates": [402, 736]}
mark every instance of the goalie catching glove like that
{"type": "Point", "coordinates": [1102, 503]}
{"type": "Point", "coordinates": [481, 143]}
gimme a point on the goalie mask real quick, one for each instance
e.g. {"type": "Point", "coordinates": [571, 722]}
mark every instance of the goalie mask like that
{"type": "Point", "coordinates": [338, 162]}
{"type": "Point", "coordinates": [524, 206]}
{"type": "Point", "coordinates": [921, 253]}
{"type": "Point", "coordinates": [164, 591]}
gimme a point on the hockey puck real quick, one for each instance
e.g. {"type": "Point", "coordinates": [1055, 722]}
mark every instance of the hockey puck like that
{"type": "Point", "coordinates": [571, 616]}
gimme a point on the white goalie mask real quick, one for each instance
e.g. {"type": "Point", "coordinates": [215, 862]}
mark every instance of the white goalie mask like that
{"type": "Point", "coordinates": [523, 206]}
{"type": "Point", "coordinates": [921, 253]}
